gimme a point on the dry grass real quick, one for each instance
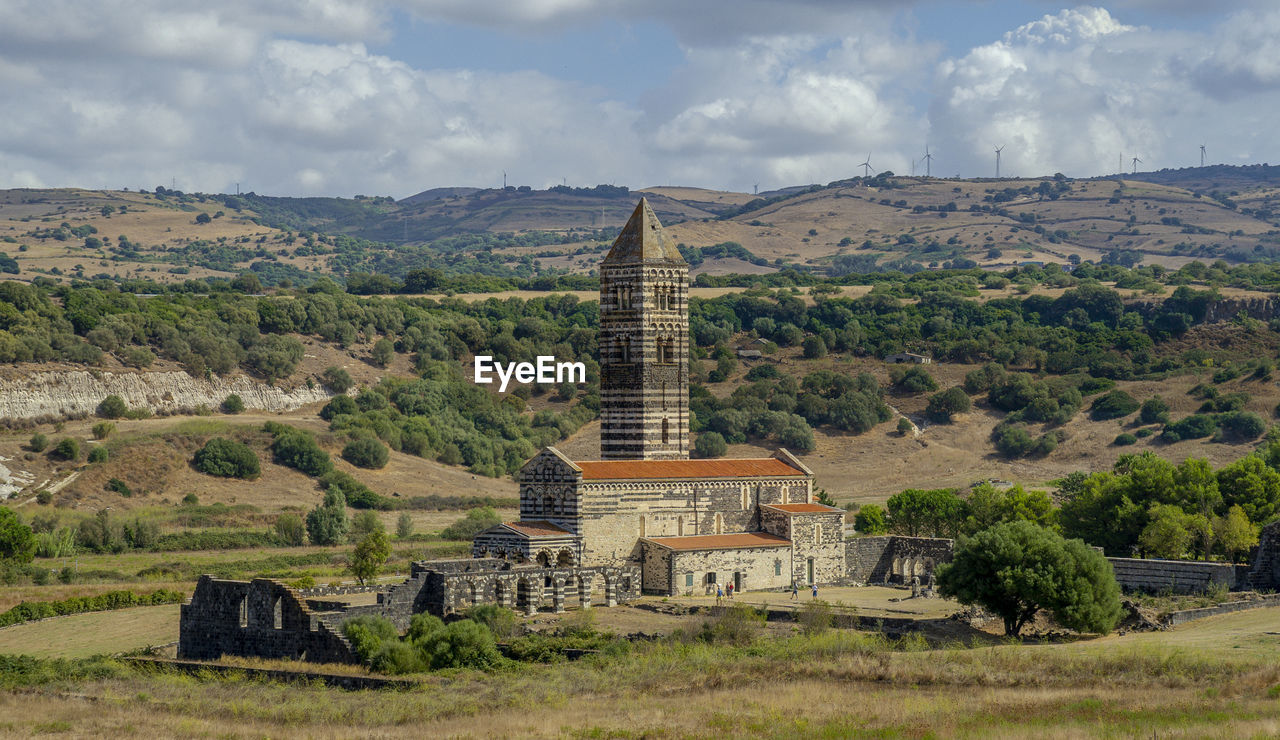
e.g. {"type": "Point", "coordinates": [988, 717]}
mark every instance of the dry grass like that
{"type": "Point", "coordinates": [94, 633]}
{"type": "Point", "coordinates": [834, 685]}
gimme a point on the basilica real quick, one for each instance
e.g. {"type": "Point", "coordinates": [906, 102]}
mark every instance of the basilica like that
{"type": "Point", "coordinates": [688, 525]}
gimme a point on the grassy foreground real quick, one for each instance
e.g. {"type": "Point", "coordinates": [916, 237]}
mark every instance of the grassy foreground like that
{"type": "Point", "coordinates": [1190, 682]}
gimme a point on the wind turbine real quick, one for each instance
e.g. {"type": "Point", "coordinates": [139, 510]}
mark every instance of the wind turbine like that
{"type": "Point", "coordinates": [756, 190]}
{"type": "Point", "coordinates": [1202, 155]}
{"type": "Point", "coordinates": [913, 168]}
{"type": "Point", "coordinates": [866, 166]}
{"type": "Point", "coordinates": [998, 150]}
{"type": "Point", "coordinates": [1136, 162]}
{"type": "Point", "coordinates": [928, 161]}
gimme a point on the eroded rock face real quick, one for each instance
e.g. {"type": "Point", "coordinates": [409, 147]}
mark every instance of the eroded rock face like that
{"type": "Point", "coordinates": [77, 392]}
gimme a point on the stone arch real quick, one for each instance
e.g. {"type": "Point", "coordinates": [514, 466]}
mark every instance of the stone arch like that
{"type": "Point", "coordinates": [897, 567]}
{"type": "Point", "coordinates": [564, 558]}
{"type": "Point", "coordinates": [584, 590]}
{"type": "Point", "coordinates": [277, 613]}
{"type": "Point", "coordinates": [499, 593]}
{"type": "Point", "coordinates": [544, 558]}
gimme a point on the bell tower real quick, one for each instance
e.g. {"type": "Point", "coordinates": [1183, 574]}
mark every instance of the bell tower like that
{"type": "Point", "coordinates": [644, 344]}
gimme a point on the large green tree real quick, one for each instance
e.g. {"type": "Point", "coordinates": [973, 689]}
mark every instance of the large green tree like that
{"type": "Point", "coordinates": [369, 555]}
{"type": "Point", "coordinates": [1017, 568]}
{"type": "Point", "coordinates": [932, 513]}
{"type": "Point", "coordinates": [17, 542]}
{"type": "Point", "coordinates": [327, 523]}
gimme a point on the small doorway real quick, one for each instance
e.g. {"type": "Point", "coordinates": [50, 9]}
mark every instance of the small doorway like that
{"type": "Point", "coordinates": [737, 582]}
{"type": "Point", "coordinates": [809, 570]}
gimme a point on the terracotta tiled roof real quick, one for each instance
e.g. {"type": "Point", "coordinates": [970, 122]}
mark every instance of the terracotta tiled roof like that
{"type": "Point", "coordinates": [721, 541]}
{"type": "Point", "coordinates": [635, 469]}
{"type": "Point", "coordinates": [538, 529]}
{"type": "Point", "coordinates": [805, 508]}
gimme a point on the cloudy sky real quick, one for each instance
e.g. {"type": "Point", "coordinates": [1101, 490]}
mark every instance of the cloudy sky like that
{"type": "Point", "coordinates": [390, 97]}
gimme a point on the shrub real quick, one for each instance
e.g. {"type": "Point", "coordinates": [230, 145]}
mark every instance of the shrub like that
{"type": "Point", "coordinates": [1196, 426]}
{"type": "Point", "coordinates": [710, 444]}
{"type": "Point", "coordinates": [814, 347]}
{"type": "Point", "coordinates": [119, 486]}
{"type": "Point", "coordinates": [366, 453]}
{"type": "Point", "coordinates": [296, 449]}
{"type": "Point", "coordinates": [1241, 425]}
{"type": "Point", "coordinates": [914, 379]}
{"type": "Point", "coordinates": [327, 523]}
{"type": "Point", "coordinates": [461, 644]}
{"type": "Point", "coordinates": [190, 500]}
{"type": "Point", "coordinates": [227, 458]}
{"type": "Point", "coordinates": [29, 611]}
{"type": "Point", "coordinates": [38, 442]}
{"type": "Point", "coordinates": [103, 429]}
{"type": "Point", "coordinates": [99, 455]}
{"type": "Point", "coordinates": [17, 541]}
{"type": "Point", "coordinates": [1012, 440]}
{"type": "Point", "coordinates": [290, 530]}
{"type": "Point", "coordinates": [762, 372]}
{"type": "Point", "coordinates": [942, 406]}
{"type": "Point", "coordinates": [369, 555]}
{"type": "Point", "coordinates": [44, 497]}
{"type": "Point", "coordinates": [337, 406]}
{"type": "Point", "coordinates": [367, 634]}
{"type": "Point", "coordinates": [336, 379]}
{"type": "Point", "coordinates": [905, 426]}
{"type": "Point", "coordinates": [870, 519]}
{"type": "Point", "coordinates": [232, 404]}
{"type": "Point", "coordinates": [112, 407]}
{"type": "Point", "coordinates": [501, 622]}
{"type": "Point", "coordinates": [1113, 405]}
{"type": "Point", "coordinates": [1154, 411]}
{"type": "Point", "coordinates": [404, 525]}
{"type": "Point", "coordinates": [1123, 440]}
{"type": "Point", "coordinates": [66, 449]}
{"type": "Point", "coordinates": [383, 352]}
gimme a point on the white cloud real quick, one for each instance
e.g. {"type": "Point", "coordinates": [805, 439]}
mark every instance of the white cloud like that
{"type": "Point", "coordinates": [285, 96]}
{"type": "Point", "coordinates": [1074, 90]}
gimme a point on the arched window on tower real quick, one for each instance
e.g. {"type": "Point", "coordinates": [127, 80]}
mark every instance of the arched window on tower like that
{"type": "Point", "coordinates": [666, 432]}
{"type": "Point", "coordinates": [625, 349]}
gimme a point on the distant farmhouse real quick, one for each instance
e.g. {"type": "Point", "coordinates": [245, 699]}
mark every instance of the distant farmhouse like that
{"type": "Point", "coordinates": [909, 357]}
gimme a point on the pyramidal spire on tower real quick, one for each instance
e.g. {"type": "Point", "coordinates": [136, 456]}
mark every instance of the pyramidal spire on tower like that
{"type": "Point", "coordinates": [643, 240]}
{"type": "Point", "coordinates": [644, 344]}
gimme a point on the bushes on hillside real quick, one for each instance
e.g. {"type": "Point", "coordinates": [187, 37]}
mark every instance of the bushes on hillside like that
{"type": "Point", "coordinates": [1113, 405]}
{"type": "Point", "coordinates": [327, 523]}
{"type": "Point", "coordinates": [914, 379]}
{"type": "Point", "coordinates": [942, 406]}
{"type": "Point", "coordinates": [297, 449]}
{"type": "Point", "coordinates": [336, 379]}
{"type": "Point", "coordinates": [112, 407]}
{"type": "Point", "coordinates": [366, 453]}
{"type": "Point", "coordinates": [290, 530]}
{"type": "Point", "coordinates": [232, 404]}
{"type": "Point", "coordinates": [710, 444]}
{"type": "Point", "coordinates": [67, 449]}
{"type": "Point", "coordinates": [227, 459]}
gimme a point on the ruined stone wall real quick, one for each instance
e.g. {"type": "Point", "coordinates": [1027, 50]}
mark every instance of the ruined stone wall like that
{"type": "Point", "coordinates": [655, 570]}
{"type": "Point", "coordinates": [894, 558]}
{"type": "Point", "coordinates": [1177, 576]}
{"type": "Point", "coordinates": [262, 618]}
{"type": "Point", "coordinates": [1264, 569]}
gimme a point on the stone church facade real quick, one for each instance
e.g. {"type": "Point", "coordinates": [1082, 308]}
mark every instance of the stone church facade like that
{"type": "Point", "coordinates": [689, 525]}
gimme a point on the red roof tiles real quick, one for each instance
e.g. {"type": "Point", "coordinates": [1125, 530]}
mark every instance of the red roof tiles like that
{"type": "Point", "coordinates": [538, 529]}
{"type": "Point", "coordinates": [644, 469]}
{"type": "Point", "coordinates": [737, 541]}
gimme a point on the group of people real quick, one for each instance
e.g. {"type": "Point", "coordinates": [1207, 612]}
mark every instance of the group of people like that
{"type": "Point", "coordinates": [795, 591]}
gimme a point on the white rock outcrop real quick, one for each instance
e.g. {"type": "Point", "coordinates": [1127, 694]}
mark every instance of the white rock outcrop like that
{"type": "Point", "coordinates": [72, 393]}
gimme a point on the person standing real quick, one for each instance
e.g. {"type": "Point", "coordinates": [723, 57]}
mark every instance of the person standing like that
{"type": "Point", "coordinates": [719, 595]}
{"type": "Point", "coordinates": [815, 590]}
{"type": "Point", "coordinates": [729, 588]}
{"type": "Point", "coordinates": [795, 591]}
